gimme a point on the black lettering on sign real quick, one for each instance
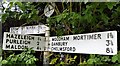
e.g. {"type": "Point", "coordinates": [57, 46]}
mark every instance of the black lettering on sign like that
{"type": "Point", "coordinates": [39, 38]}
{"type": "Point", "coordinates": [59, 43]}
{"type": "Point", "coordinates": [74, 49]}
{"type": "Point", "coordinates": [87, 37]}
{"type": "Point", "coordinates": [17, 36]}
{"type": "Point", "coordinates": [99, 36]}
{"type": "Point", "coordinates": [109, 42]}
{"type": "Point", "coordinates": [15, 47]}
{"type": "Point", "coordinates": [19, 47]}
{"type": "Point", "coordinates": [60, 48]}
{"type": "Point", "coordinates": [7, 35]}
{"type": "Point", "coordinates": [37, 48]}
{"type": "Point", "coordinates": [8, 46]}
{"type": "Point", "coordinates": [25, 46]}
{"type": "Point", "coordinates": [63, 49]}
{"type": "Point", "coordinates": [109, 50]}
{"type": "Point", "coordinates": [12, 46]}
{"type": "Point", "coordinates": [37, 43]}
{"type": "Point", "coordinates": [48, 44]}
{"type": "Point", "coordinates": [45, 48]}
{"type": "Point", "coordinates": [7, 40]}
{"type": "Point", "coordinates": [60, 39]}
{"type": "Point", "coordinates": [14, 41]}
{"type": "Point", "coordinates": [76, 37]}
{"type": "Point", "coordinates": [53, 48]}
{"type": "Point", "coordinates": [12, 36]}
{"type": "Point", "coordinates": [109, 35]}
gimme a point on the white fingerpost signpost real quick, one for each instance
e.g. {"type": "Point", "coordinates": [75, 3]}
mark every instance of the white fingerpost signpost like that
{"type": "Point", "coordinates": [35, 29]}
{"type": "Point", "coordinates": [90, 43]}
{"type": "Point", "coordinates": [46, 53]}
{"type": "Point", "coordinates": [13, 41]}
{"type": "Point", "coordinates": [104, 43]}
{"type": "Point", "coordinates": [17, 38]}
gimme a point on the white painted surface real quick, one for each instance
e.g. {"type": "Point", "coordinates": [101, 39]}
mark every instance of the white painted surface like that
{"type": "Point", "coordinates": [49, 10]}
{"type": "Point", "coordinates": [35, 29]}
{"type": "Point", "coordinates": [88, 46]}
{"type": "Point", "coordinates": [19, 39]}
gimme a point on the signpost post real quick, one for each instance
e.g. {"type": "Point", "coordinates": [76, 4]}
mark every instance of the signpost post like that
{"type": "Point", "coordinates": [46, 53]}
{"type": "Point", "coordinates": [91, 43]}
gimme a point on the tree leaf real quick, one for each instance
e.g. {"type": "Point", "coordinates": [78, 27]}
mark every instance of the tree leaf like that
{"type": "Point", "coordinates": [118, 9]}
{"type": "Point", "coordinates": [4, 16]}
{"type": "Point", "coordinates": [54, 61]}
{"type": "Point", "coordinates": [90, 61]}
{"type": "Point", "coordinates": [62, 62]}
{"type": "Point", "coordinates": [114, 58]}
{"type": "Point", "coordinates": [21, 16]}
{"type": "Point", "coordinates": [11, 4]}
{"type": "Point", "coordinates": [4, 62]}
{"type": "Point", "coordinates": [104, 17]}
{"type": "Point", "coordinates": [111, 4]}
{"type": "Point", "coordinates": [19, 4]}
{"type": "Point", "coordinates": [75, 57]}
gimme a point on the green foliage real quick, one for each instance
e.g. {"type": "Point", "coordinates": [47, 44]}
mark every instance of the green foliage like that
{"type": "Point", "coordinates": [28, 12]}
{"type": "Point", "coordinates": [0, 61]}
{"type": "Point", "coordinates": [65, 22]}
{"type": "Point", "coordinates": [98, 59]}
{"type": "Point", "coordinates": [116, 58]}
{"type": "Point", "coordinates": [79, 18]}
{"type": "Point", "coordinates": [96, 15]}
{"type": "Point", "coordinates": [4, 16]}
{"type": "Point", "coordinates": [56, 60]}
{"type": "Point", "coordinates": [111, 5]}
{"type": "Point", "coordinates": [26, 57]}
